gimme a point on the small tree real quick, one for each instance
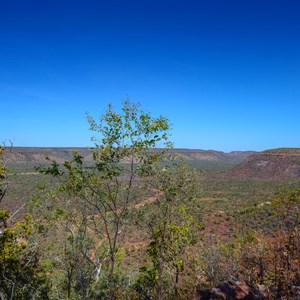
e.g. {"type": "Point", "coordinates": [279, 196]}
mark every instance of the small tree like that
{"type": "Point", "coordinates": [171, 230]}
{"type": "Point", "coordinates": [286, 248]}
{"type": "Point", "coordinates": [102, 193]}
{"type": "Point", "coordinates": [21, 276]}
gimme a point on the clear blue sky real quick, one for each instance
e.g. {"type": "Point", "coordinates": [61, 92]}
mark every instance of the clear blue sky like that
{"type": "Point", "coordinates": [225, 72]}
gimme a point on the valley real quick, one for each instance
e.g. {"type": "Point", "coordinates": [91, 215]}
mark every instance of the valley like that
{"type": "Point", "coordinates": [234, 197]}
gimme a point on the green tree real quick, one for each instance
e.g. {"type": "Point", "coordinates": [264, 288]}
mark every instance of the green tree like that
{"type": "Point", "coordinates": [21, 276]}
{"type": "Point", "coordinates": [99, 196]}
{"type": "Point", "coordinates": [171, 230]}
{"type": "Point", "coordinates": [286, 250]}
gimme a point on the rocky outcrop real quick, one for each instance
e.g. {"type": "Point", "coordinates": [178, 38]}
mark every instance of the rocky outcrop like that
{"type": "Point", "coordinates": [233, 289]}
{"type": "Point", "coordinates": [270, 164]}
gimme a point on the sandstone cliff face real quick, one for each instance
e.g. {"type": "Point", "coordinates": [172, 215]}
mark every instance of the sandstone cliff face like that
{"type": "Point", "coordinates": [270, 164]}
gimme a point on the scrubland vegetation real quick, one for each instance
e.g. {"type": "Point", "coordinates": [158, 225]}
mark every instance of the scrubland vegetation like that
{"type": "Point", "coordinates": [141, 224]}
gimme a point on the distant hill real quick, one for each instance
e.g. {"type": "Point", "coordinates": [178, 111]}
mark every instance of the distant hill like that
{"type": "Point", "coordinates": [270, 164]}
{"type": "Point", "coordinates": [278, 163]}
{"type": "Point", "coordinates": [33, 156]}
{"type": "Point", "coordinates": [36, 155]}
{"type": "Point", "coordinates": [212, 155]}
